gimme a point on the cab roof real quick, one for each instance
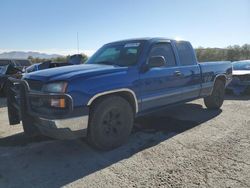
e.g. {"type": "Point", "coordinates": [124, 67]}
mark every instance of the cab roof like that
{"type": "Point", "coordinates": [146, 39]}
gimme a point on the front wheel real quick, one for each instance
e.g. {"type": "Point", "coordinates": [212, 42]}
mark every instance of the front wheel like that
{"type": "Point", "coordinates": [111, 122]}
{"type": "Point", "coordinates": [216, 99]}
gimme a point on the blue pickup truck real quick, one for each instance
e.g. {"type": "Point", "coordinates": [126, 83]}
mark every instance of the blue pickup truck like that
{"type": "Point", "coordinates": [121, 81]}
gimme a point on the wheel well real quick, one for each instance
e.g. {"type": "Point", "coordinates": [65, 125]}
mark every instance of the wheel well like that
{"type": "Point", "coordinates": [222, 78]}
{"type": "Point", "coordinates": [128, 96]}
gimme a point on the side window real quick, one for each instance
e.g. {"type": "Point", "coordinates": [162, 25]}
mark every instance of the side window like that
{"type": "Point", "coordinates": [165, 50]}
{"type": "Point", "coordinates": [128, 56]}
{"type": "Point", "coordinates": [185, 52]}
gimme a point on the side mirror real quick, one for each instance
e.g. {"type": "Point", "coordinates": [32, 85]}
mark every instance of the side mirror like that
{"type": "Point", "coordinates": [156, 61]}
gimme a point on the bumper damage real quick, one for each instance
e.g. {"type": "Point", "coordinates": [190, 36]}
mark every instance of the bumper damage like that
{"type": "Point", "coordinates": [33, 109]}
{"type": "Point", "coordinates": [70, 128]}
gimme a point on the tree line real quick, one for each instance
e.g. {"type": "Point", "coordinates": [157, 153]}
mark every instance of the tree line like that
{"type": "Point", "coordinates": [231, 53]}
{"type": "Point", "coordinates": [61, 59]}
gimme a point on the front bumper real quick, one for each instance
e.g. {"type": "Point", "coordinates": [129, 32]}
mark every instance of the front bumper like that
{"type": "Point", "coordinates": [70, 128]}
{"type": "Point", "coordinates": [239, 87]}
{"type": "Point", "coordinates": [33, 109]}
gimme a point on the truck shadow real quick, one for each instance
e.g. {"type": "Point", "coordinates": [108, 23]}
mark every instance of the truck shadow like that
{"type": "Point", "coordinates": [54, 163]}
{"type": "Point", "coordinates": [21, 139]}
{"type": "Point", "coordinates": [237, 97]}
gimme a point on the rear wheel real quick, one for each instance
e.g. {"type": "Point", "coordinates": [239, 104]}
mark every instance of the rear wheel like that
{"type": "Point", "coordinates": [111, 122]}
{"type": "Point", "coordinates": [216, 99]}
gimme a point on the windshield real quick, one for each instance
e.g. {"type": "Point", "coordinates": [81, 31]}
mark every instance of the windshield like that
{"type": "Point", "coordinates": [31, 68]}
{"type": "Point", "coordinates": [125, 54]}
{"type": "Point", "coordinates": [241, 65]}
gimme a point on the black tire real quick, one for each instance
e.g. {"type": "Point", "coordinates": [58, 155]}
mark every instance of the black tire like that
{"type": "Point", "coordinates": [216, 99]}
{"type": "Point", "coordinates": [111, 122]}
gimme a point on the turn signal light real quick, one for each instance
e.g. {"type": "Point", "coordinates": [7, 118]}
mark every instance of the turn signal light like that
{"type": "Point", "coordinates": [59, 103]}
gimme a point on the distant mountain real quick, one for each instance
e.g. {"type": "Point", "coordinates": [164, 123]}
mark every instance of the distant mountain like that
{"type": "Point", "coordinates": [25, 55]}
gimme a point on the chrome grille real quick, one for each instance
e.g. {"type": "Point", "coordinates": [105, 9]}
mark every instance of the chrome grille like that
{"type": "Point", "coordinates": [35, 85]}
{"type": "Point", "coordinates": [244, 77]}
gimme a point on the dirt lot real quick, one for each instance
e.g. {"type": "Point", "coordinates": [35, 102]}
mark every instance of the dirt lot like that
{"type": "Point", "coordinates": [186, 146]}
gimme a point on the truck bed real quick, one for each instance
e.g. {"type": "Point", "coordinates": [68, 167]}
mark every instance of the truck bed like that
{"type": "Point", "coordinates": [210, 70]}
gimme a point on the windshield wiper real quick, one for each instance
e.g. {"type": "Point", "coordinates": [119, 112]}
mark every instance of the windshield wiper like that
{"type": "Point", "coordinates": [105, 62]}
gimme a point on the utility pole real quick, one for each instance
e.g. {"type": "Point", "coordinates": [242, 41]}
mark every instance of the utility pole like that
{"type": "Point", "coordinates": [77, 43]}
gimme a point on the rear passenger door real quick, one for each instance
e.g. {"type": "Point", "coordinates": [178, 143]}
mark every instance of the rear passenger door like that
{"type": "Point", "coordinates": [161, 85]}
{"type": "Point", "coordinates": [189, 70]}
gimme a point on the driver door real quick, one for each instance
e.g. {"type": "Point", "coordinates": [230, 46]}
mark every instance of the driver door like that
{"type": "Point", "coordinates": [161, 85]}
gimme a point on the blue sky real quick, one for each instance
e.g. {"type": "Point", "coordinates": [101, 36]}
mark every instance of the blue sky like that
{"type": "Point", "coordinates": [51, 25]}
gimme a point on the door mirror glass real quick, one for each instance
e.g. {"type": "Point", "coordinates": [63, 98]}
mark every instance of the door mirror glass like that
{"type": "Point", "coordinates": [156, 61]}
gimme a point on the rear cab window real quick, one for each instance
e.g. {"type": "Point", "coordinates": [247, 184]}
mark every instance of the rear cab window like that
{"type": "Point", "coordinates": [164, 49]}
{"type": "Point", "coordinates": [186, 54]}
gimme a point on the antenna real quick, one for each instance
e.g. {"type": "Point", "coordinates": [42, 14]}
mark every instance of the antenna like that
{"type": "Point", "coordinates": [77, 43]}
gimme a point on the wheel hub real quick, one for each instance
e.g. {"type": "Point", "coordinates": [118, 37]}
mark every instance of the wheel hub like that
{"type": "Point", "coordinates": [111, 123]}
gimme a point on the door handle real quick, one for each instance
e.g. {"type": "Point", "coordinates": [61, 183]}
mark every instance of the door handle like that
{"type": "Point", "coordinates": [177, 73]}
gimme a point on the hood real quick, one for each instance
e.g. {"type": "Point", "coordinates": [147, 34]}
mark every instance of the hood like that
{"type": "Point", "coordinates": [71, 72]}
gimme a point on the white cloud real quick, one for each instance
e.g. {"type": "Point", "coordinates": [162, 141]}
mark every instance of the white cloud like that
{"type": "Point", "coordinates": [53, 51]}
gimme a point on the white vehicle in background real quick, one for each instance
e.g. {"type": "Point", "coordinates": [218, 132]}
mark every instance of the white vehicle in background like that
{"type": "Point", "coordinates": [241, 78]}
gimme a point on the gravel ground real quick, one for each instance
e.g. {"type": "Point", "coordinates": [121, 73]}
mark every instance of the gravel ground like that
{"type": "Point", "coordinates": [185, 146]}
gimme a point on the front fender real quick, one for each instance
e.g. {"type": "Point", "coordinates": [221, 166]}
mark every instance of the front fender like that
{"type": "Point", "coordinates": [84, 91]}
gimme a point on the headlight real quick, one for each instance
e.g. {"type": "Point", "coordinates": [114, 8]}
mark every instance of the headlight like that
{"type": "Point", "coordinates": [56, 87]}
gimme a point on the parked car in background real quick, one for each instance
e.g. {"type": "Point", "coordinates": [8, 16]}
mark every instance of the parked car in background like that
{"type": "Point", "coordinates": [73, 60]}
{"type": "Point", "coordinates": [241, 78]}
{"type": "Point", "coordinates": [11, 68]}
{"type": "Point", "coordinates": [121, 81]}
